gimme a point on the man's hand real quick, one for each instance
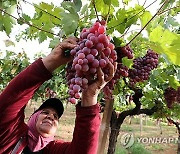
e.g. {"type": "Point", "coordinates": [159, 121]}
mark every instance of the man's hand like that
{"type": "Point", "coordinates": [57, 57]}
{"type": "Point", "coordinates": [89, 96]}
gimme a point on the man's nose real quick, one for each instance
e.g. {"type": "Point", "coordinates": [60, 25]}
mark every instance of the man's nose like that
{"type": "Point", "coordinates": [50, 116]}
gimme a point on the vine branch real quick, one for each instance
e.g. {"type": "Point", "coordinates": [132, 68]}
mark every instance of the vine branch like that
{"type": "Point", "coordinates": [144, 2]}
{"type": "Point", "coordinates": [28, 23]}
{"type": "Point", "coordinates": [148, 22]}
{"type": "Point", "coordinates": [95, 9]}
{"type": "Point", "coordinates": [41, 9]}
{"type": "Point", "coordinates": [161, 12]}
{"type": "Point", "coordinates": [108, 13]}
{"type": "Point", "coordinates": [177, 124]}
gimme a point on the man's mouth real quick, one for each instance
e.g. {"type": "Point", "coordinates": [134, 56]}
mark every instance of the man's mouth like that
{"type": "Point", "coordinates": [48, 122]}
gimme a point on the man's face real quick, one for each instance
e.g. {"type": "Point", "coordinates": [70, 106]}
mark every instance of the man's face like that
{"type": "Point", "coordinates": [47, 122]}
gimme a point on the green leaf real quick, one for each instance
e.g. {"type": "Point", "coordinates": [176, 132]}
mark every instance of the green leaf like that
{"type": "Point", "coordinates": [46, 6]}
{"type": "Point", "coordinates": [84, 9]}
{"type": "Point", "coordinates": [20, 21]}
{"type": "Point", "coordinates": [108, 2]}
{"type": "Point", "coordinates": [126, 1]}
{"type": "Point", "coordinates": [69, 22]}
{"type": "Point", "coordinates": [42, 36]}
{"type": "Point", "coordinates": [7, 21]}
{"type": "Point", "coordinates": [69, 6]}
{"type": "Point", "coordinates": [1, 26]}
{"type": "Point", "coordinates": [173, 82]}
{"type": "Point", "coordinates": [26, 17]}
{"type": "Point", "coordinates": [166, 42]}
{"type": "Point", "coordinates": [145, 18]}
{"type": "Point", "coordinates": [115, 3]}
{"type": "Point", "coordinates": [78, 5]}
{"type": "Point", "coordinates": [127, 62]}
{"type": "Point", "coordinates": [178, 74]}
{"type": "Point", "coordinates": [38, 15]}
{"type": "Point", "coordinates": [103, 8]}
{"type": "Point", "coordinates": [117, 41]}
{"type": "Point", "coordinates": [120, 23]}
{"type": "Point", "coordinates": [53, 43]}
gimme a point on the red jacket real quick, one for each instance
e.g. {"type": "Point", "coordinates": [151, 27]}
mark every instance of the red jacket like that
{"type": "Point", "coordinates": [13, 101]}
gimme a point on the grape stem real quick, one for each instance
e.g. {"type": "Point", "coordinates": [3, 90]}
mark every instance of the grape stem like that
{"type": "Point", "coordinates": [95, 9]}
{"type": "Point", "coordinates": [108, 13]}
{"type": "Point", "coordinates": [148, 22]}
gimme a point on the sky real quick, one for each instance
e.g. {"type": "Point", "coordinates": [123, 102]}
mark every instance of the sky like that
{"type": "Point", "coordinates": [33, 47]}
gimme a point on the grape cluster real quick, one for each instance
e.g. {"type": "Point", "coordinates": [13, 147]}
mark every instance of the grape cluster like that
{"type": "Point", "coordinates": [94, 50]}
{"type": "Point", "coordinates": [122, 71]}
{"type": "Point", "coordinates": [170, 96]}
{"type": "Point", "coordinates": [142, 67]}
{"type": "Point", "coordinates": [122, 52]}
{"type": "Point", "coordinates": [178, 95]}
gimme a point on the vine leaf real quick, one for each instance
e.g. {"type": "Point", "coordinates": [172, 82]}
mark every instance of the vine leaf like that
{"type": "Point", "coordinates": [164, 41]}
{"type": "Point", "coordinates": [69, 22]}
{"type": "Point", "coordinates": [145, 18]}
{"type": "Point", "coordinates": [54, 42]}
{"type": "Point", "coordinates": [69, 19]}
{"type": "Point", "coordinates": [102, 7]}
{"type": "Point", "coordinates": [108, 2]}
{"type": "Point", "coordinates": [78, 5]}
{"type": "Point", "coordinates": [127, 62]}
{"type": "Point", "coordinates": [173, 82]}
{"type": "Point", "coordinates": [8, 24]}
{"type": "Point", "coordinates": [69, 6]}
{"type": "Point", "coordinates": [42, 36]}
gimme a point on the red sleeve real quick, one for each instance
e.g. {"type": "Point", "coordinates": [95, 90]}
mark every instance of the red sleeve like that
{"type": "Point", "coordinates": [86, 133]}
{"type": "Point", "coordinates": [21, 89]}
{"type": "Point", "coordinates": [15, 97]}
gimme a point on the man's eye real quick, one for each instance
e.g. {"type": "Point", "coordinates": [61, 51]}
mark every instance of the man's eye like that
{"type": "Point", "coordinates": [55, 116]}
{"type": "Point", "coordinates": [45, 112]}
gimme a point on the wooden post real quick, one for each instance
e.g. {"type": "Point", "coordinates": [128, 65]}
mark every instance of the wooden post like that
{"type": "Point", "coordinates": [141, 124]}
{"type": "Point", "coordinates": [105, 124]}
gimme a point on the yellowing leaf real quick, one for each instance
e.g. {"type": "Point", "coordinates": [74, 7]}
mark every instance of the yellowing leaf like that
{"type": "Point", "coordinates": [145, 17]}
{"type": "Point", "coordinates": [166, 42]}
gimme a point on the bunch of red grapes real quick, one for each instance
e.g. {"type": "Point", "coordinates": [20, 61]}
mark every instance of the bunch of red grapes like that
{"type": "Point", "coordinates": [122, 71]}
{"type": "Point", "coordinates": [178, 95]}
{"type": "Point", "coordinates": [142, 67]}
{"type": "Point", "coordinates": [94, 50]}
{"type": "Point", "coordinates": [171, 95]}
